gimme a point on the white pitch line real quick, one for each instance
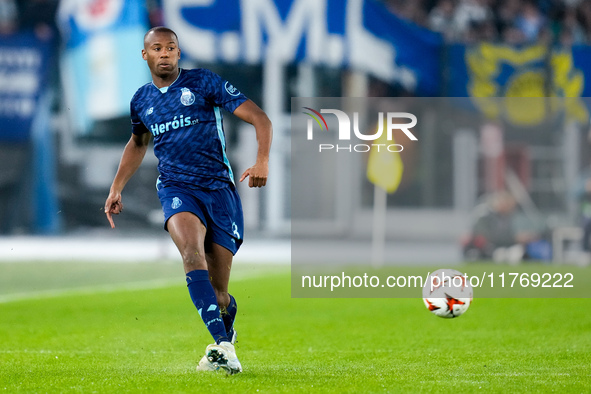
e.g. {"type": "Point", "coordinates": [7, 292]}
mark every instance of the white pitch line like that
{"type": "Point", "coordinates": [70, 351]}
{"type": "Point", "coordinates": [109, 288]}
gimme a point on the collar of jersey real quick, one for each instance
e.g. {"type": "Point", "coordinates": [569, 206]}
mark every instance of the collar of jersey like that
{"type": "Point", "coordinates": [165, 88]}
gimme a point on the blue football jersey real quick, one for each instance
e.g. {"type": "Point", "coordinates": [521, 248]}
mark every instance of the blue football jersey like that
{"type": "Point", "coordinates": [185, 120]}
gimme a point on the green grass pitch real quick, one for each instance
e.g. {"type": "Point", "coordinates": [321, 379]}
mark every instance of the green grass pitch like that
{"type": "Point", "coordinates": [110, 328]}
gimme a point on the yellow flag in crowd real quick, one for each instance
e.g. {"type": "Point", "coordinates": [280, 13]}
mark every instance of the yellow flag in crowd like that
{"type": "Point", "coordinates": [384, 168]}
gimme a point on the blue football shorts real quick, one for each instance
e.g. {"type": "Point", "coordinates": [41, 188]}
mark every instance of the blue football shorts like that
{"type": "Point", "coordinates": [219, 210]}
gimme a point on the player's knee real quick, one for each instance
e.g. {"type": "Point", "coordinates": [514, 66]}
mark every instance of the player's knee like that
{"type": "Point", "coordinates": [194, 260]}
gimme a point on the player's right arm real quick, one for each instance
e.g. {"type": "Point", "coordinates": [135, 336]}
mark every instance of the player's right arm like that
{"type": "Point", "coordinates": [132, 157]}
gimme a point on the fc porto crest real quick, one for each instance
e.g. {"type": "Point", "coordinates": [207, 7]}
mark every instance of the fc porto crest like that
{"type": "Point", "coordinates": [176, 203]}
{"type": "Point", "coordinates": [187, 97]}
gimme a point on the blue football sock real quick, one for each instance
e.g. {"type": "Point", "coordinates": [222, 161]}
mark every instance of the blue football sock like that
{"type": "Point", "coordinates": [206, 303]}
{"type": "Point", "coordinates": [229, 315]}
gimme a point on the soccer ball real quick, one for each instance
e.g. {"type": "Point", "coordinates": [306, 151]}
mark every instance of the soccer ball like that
{"type": "Point", "coordinates": [447, 293]}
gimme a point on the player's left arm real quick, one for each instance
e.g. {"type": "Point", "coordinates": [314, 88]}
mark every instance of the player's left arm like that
{"type": "Point", "coordinates": [249, 112]}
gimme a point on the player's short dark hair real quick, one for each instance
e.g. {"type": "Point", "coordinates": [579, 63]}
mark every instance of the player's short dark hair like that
{"type": "Point", "coordinates": [161, 29]}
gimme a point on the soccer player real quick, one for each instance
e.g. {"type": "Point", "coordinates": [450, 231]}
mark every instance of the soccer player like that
{"type": "Point", "coordinates": [202, 211]}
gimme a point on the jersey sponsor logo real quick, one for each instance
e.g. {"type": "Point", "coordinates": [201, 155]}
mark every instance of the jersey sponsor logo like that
{"type": "Point", "coordinates": [187, 97]}
{"type": "Point", "coordinates": [232, 91]}
{"type": "Point", "coordinates": [176, 203]}
{"type": "Point", "coordinates": [149, 111]}
{"type": "Point", "coordinates": [176, 123]}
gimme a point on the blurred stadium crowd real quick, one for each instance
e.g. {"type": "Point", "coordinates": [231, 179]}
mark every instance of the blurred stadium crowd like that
{"type": "Point", "coordinates": [29, 15]}
{"type": "Point", "coordinates": [567, 22]}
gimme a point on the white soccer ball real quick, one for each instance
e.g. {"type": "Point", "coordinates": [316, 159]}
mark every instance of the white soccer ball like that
{"type": "Point", "coordinates": [447, 293]}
